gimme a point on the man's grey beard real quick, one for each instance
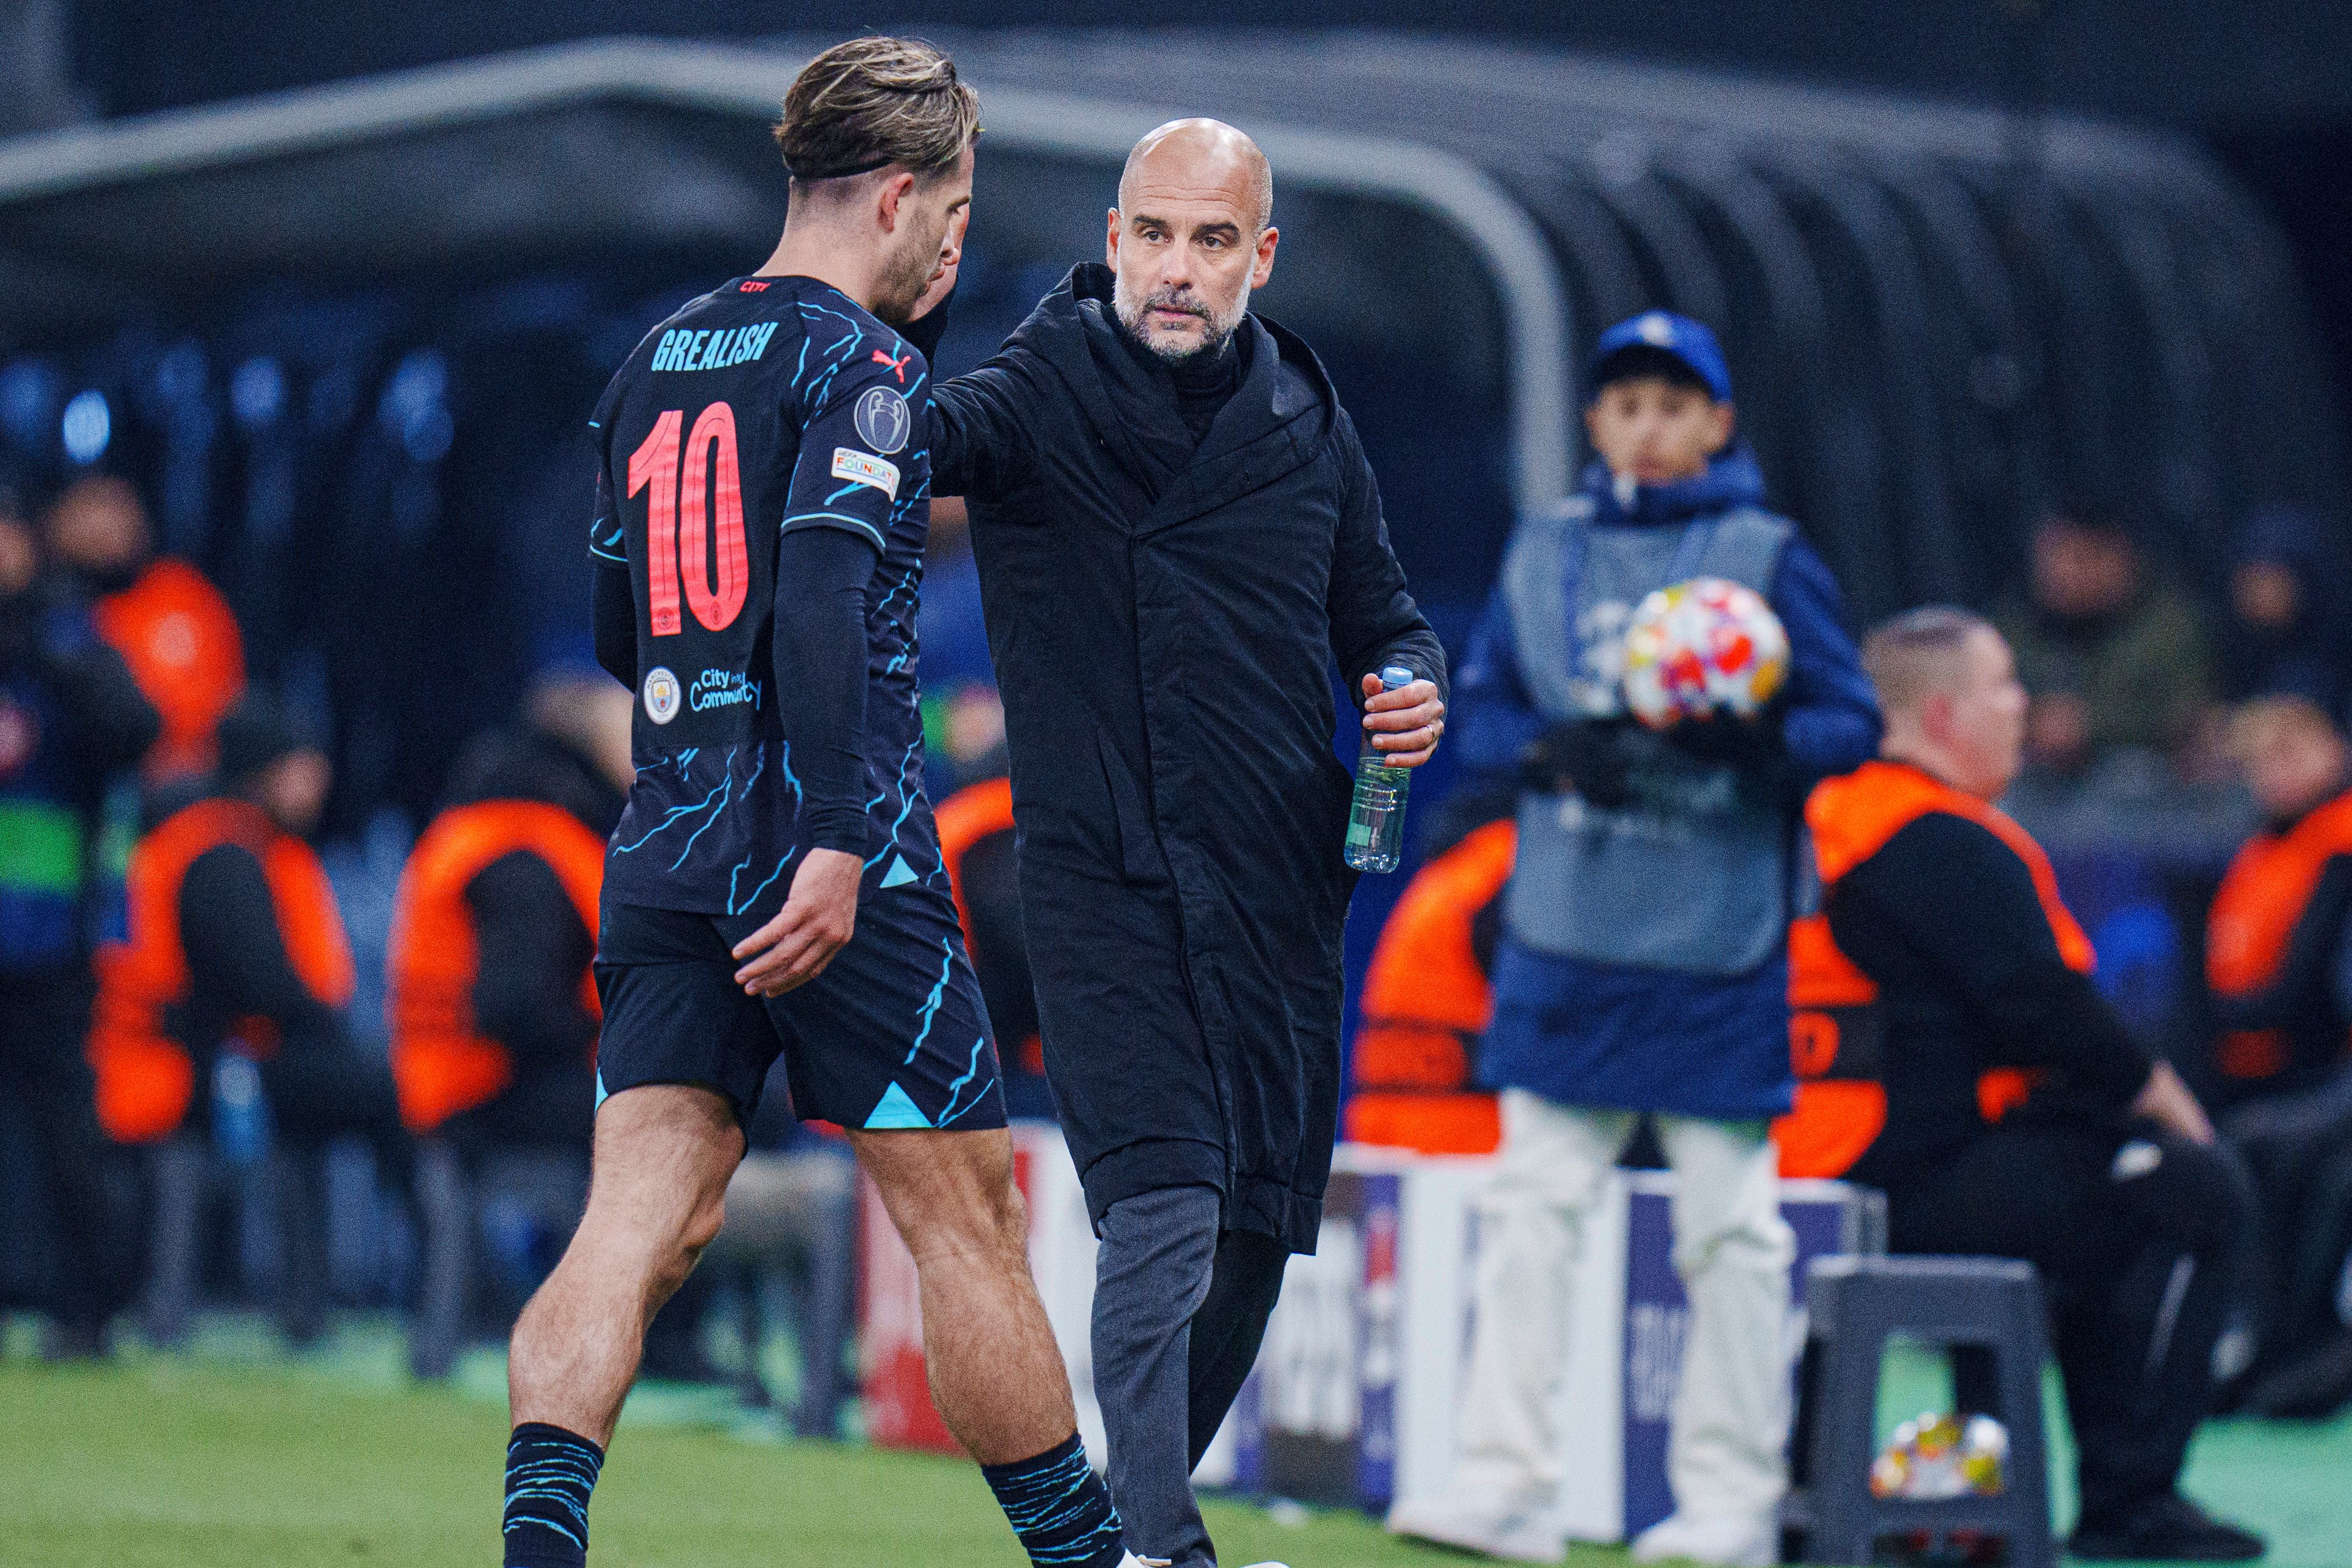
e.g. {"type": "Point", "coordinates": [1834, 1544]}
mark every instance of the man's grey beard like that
{"type": "Point", "coordinates": [1130, 311]}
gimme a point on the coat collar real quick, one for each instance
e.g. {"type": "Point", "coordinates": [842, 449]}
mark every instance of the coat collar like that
{"type": "Point", "coordinates": [1730, 481]}
{"type": "Point", "coordinates": [1276, 420]}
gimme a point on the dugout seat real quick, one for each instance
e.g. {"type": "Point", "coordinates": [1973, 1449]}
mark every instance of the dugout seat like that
{"type": "Point", "coordinates": [461, 1201]}
{"type": "Point", "coordinates": [1854, 1306]}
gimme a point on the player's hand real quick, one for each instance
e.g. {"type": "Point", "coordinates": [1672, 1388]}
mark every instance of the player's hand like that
{"type": "Point", "coordinates": [817, 922]}
{"type": "Point", "coordinates": [2166, 1102]}
{"type": "Point", "coordinates": [943, 280]}
{"type": "Point", "coordinates": [1404, 722]}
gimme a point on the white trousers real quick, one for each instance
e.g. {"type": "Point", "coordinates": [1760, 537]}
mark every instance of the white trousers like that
{"type": "Point", "coordinates": [1729, 1425]}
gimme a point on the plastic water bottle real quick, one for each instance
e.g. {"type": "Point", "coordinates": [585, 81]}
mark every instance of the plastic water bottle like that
{"type": "Point", "coordinates": [1376, 819]}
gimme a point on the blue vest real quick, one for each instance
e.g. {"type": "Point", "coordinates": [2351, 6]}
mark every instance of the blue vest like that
{"type": "Point", "coordinates": [1693, 877]}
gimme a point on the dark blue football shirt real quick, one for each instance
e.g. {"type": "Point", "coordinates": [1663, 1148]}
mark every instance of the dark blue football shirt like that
{"type": "Point", "coordinates": [767, 405]}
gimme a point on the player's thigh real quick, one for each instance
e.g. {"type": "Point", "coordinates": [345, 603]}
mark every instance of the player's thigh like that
{"type": "Point", "coordinates": [662, 1156]}
{"type": "Point", "coordinates": [950, 1194]}
{"type": "Point", "coordinates": [893, 1036]}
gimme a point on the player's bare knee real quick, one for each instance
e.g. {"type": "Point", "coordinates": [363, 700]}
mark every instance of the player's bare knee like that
{"type": "Point", "coordinates": [703, 1225]}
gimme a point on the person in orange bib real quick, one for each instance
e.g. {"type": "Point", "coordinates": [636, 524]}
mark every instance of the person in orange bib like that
{"type": "Point", "coordinates": [2278, 937]}
{"type": "Point", "coordinates": [164, 616]}
{"type": "Point", "coordinates": [1427, 998]}
{"type": "Point", "coordinates": [490, 993]}
{"type": "Point", "coordinates": [238, 954]}
{"type": "Point", "coordinates": [2103, 1172]}
{"type": "Point", "coordinates": [491, 999]}
{"type": "Point", "coordinates": [2278, 962]}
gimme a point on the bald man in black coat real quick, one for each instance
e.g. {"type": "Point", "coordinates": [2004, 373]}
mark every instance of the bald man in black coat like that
{"type": "Point", "coordinates": [1178, 535]}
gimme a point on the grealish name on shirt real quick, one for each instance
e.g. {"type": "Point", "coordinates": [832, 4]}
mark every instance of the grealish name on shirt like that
{"type": "Point", "coordinates": [681, 348]}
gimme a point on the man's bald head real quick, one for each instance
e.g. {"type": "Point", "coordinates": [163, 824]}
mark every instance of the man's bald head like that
{"type": "Point", "coordinates": [1192, 235]}
{"type": "Point", "coordinates": [1196, 156]}
{"type": "Point", "coordinates": [1919, 653]}
{"type": "Point", "coordinates": [1949, 688]}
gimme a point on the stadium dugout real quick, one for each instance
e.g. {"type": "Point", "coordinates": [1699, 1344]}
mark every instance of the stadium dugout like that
{"type": "Point", "coordinates": [1942, 316]}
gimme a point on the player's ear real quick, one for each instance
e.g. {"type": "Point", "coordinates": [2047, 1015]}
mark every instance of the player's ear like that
{"type": "Point", "coordinates": [1111, 241]}
{"type": "Point", "coordinates": [894, 195]}
{"type": "Point", "coordinates": [1264, 267]}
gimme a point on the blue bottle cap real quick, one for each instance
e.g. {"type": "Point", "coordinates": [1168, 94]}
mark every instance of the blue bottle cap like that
{"type": "Point", "coordinates": [1396, 675]}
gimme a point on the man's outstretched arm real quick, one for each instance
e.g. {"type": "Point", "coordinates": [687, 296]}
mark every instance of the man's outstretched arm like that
{"type": "Point", "coordinates": [980, 423]}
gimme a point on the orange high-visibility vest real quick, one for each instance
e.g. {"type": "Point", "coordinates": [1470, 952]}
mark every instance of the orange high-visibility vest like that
{"type": "Point", "coordinates": [965, 819]}
{"type": "Point", "coordinates": [1841, 1107]}
{"type": "Point", "coordinates": [146, 1078]}
{"type": "Point", "coordinates": [1426, 1001]}
{"type": "Point", "coordinates": [1835, 1034]}
{"type": "Point", "coordinates": [442, 1063]}
{"type": "Point", "coordinates": [180, 639]}
{"type": "Point", "coordinates": [2262, 895]}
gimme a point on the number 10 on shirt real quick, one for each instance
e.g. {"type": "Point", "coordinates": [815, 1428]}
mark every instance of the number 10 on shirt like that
{"type": "Point", "coordinates": [679, 511]}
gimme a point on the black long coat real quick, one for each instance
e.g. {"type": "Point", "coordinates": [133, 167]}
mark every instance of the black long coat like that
{"type": "Point", "coordinates": [1163, 621]}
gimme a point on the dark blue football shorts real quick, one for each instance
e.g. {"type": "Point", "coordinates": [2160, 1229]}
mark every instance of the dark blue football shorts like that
{"type": "Point", "coordinates": [892, 1035]}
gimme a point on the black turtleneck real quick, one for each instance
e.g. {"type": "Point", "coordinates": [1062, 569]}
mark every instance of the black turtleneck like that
{"type": "Point", "coordinates": [1205, 382]}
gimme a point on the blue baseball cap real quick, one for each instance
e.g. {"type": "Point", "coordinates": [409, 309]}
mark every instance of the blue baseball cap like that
{"type": "Point", "coordinates": [1687, 342]}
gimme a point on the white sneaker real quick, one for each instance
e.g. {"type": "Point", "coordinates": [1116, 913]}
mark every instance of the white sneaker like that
{"type": "Point", "coordinates": [1132, 1561]}
{"type": "Point", "coordinates": [1724, 1540]}
{"type": "Point", "coordinates": [1496, 1525]}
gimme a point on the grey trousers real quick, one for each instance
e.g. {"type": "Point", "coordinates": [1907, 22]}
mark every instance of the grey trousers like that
{"type": "Point", "coordinates": [1180, 1310]}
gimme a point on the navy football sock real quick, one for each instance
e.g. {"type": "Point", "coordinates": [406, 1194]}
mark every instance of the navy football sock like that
{"type": "Point", "coordinates": [550, 1473]}
{"type": "Point", "coordinates": [1059, 1508]}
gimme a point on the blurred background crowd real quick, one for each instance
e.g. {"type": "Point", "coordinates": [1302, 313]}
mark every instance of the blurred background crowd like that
{"type": "Point", "coordinates": [294, 478]}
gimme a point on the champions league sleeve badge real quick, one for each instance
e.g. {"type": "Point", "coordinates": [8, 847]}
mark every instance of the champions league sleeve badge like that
{"type": "Point", "coordinates": [882, 419]}
{"type": "Point", "coordinates": [662, 694]}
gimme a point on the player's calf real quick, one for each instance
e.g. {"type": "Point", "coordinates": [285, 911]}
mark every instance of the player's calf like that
{"type": "Point", "coordinates": [995, 1372]}
{"type": "Point", "coordinates": [663, 1155]}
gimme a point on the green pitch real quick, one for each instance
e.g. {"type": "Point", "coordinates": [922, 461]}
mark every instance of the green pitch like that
{"type": "Point", "coordinates": [247, 1459]}
{"type": "Point", "coordinates": [166, 1464]}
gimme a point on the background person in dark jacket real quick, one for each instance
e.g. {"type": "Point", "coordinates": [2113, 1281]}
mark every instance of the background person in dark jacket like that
{"type": "Point", "coordinates": [2097, 1165]}
{"type": "Point", "coordinates": [2290, 626]}
{"type": "Point", "coordinates": [171, 625]}
{"type": "Point", "coordinates": [71, 718]}
{"type": "Point", "coordinates": [2111, 656]}
{"type": "Point", "coordinates": [234, 977]}
{"type": "Point", "coordinates": [1177, 534]}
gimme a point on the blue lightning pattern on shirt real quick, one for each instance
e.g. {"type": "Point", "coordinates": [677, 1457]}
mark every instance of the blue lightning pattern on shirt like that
{"type": "Point", "coordinates": [716, 791]}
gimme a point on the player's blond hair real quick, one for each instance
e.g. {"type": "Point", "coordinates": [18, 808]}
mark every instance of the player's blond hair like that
{"type": "Point", "coordinates": [1916, 654]}
{"type": "Point", "coordinates": [871, 103]}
